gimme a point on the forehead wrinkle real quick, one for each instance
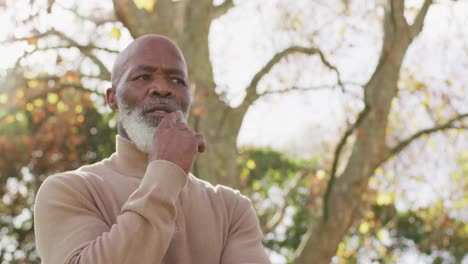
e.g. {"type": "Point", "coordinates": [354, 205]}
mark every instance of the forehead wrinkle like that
{"type": "Point", "coordinates": [160, 68]}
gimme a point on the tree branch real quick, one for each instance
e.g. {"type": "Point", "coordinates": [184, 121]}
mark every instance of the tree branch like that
{"type": "Point", "coordinates": [94, 47]}
{"type": "Point", "coordinates": [50, 3]}
{"type": "Point", "coordinates": [87, 50]}
{"type": "Point", "coordinates": [397, 10]}
{"type": "Point", "coordinates": [419, 20]}
{"type": "Point", "coordinates": [336, 158]}
{"type": "Point", "coordinates": [450, 124]}
{"type": "Point", "coordinates": [296, 88]}
{"type": "Point", "coordinates": [107, 18]}
{"type": "Point", "coordinates": [279, 215]}
{"type": "Point", "coordinates": [311, 88]}
{"type": "Point", "coordinates": [251, 90]}
{"type": "Point", "coordinates": [40, 35]}
{"type": "Point", "coordinates": [90, 46]}
{"type": "Point", "coordinates": [222, 9]}
{"type": "Point", "coordinates": [332, 67]}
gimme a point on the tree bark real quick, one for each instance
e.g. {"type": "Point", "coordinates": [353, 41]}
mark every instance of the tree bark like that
{"type": "Point", "coordinates": [369, 150]}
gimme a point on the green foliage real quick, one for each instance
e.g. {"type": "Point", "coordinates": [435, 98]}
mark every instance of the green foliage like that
{"type": "Point", "coordinates": [267, 174]}
{"type": "Point", "coordinates": [266, 166]}
{"type": "Point", "coordinates": [385, 233]}
{"type": "Point", "coordinates": [45, 127]}
{"type": "Point", "coordinates": [411, 226]}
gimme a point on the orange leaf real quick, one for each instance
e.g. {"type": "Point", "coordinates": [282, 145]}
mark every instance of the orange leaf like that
{"type": "Point", "coordinates": [32, 41]}
{"type": "Point", "coordinates": [70, 77]}
{"type": "Point", "coordinates": [199, 111]}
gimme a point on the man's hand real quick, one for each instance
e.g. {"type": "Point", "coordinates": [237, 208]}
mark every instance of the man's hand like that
{"type": "Point", "coordinates": [174, 141]}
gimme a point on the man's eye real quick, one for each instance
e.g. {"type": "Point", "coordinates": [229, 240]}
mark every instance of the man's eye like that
{"type": "Point", "coordinates": [178, 81]}
{"type": "Point", "coordinates": [143, 77]}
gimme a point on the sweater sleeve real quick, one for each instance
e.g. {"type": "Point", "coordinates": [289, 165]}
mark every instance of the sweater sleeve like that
{"type": "Point", "coordinates": [68, 229]}
{"type": "Point", "coordinates": [244, 242]}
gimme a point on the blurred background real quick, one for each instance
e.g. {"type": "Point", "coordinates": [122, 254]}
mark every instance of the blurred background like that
{"type": "Point", "coordinates": [345, 121]}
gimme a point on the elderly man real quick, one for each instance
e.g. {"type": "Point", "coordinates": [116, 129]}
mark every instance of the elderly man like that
{"type": "Point", "coordinates": [141, 205]}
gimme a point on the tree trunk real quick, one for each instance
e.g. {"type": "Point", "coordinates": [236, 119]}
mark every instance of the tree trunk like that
{"type": "Point", "coordinates": [369, 151]}
{"type": "Point", "coordinates": [188, 24]}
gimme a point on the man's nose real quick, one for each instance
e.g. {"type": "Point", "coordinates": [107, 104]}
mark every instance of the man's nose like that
{"type": "Point", "coordinates": [160, 89]}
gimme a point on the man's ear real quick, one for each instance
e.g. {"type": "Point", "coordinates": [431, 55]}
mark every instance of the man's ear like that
{"type": "Point", "coordinates": [111, 98]}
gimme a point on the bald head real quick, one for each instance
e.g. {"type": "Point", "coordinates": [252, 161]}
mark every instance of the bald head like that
{"type": "Point", "coordinates": [156, 45]}
{"type": "Point", "coordinates": [149, 78]}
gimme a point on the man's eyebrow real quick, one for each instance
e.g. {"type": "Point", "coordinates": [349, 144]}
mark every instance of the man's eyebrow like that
{"type": "Point", "coordinates": [149, 68]}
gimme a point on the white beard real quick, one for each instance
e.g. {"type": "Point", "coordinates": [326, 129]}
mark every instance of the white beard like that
{"type": "Point", "coordinates": [138, 129]}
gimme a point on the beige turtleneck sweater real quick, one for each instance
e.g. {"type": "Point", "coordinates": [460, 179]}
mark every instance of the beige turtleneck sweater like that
{"type": "Point", "coordinates": [124, 210]}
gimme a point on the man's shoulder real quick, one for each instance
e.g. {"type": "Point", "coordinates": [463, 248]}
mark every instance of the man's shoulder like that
{"type": "Point", "coordinates": [64, 186]}
{"type": "Point", "coordinates": [76, 178]}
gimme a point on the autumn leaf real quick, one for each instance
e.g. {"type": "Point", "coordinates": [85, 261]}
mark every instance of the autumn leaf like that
{"type": "Point", "coordinates": [3, 98]}
{"type": "Point", "coordinates": [448, 82]}
{"type": "Point", "coordinates": [62, 107]}
{"type": "Point", "coordinates": [52, 98]}
{"type": "Point", "coordinates": [29, 107]}
{"type": "Point", "coordinates": [78, 109]}
{"type": "Point", "coordinates": [385, 198]}
{"type": "Point", "coordinates": [364, 227]}
{"type": "Point", "coordinates": [32, 41]}
{"type": "Point", "coordinates": [33, 83]}
{"type": "Point", "coordinates": [115, 33]}
{"type": "Point", "coordinates": [199, 111]}
{"type": "Point", "coordinates": [148, 5]}
{"type": "Point", "coordinates": [70, 77]}
{"type": "Point", "coordinates": [38, 102]}
{"type": "Point", "coordinates": [419, 86]}
{"type": "Point", "coordinates": [251, 164]}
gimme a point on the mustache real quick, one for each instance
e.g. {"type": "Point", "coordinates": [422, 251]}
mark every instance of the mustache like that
{"type": "Point", "coordinates": [169, 103]}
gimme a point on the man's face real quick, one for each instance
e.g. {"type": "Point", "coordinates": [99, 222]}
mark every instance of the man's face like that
{"type": "Point", "coordinates": [152, 82]}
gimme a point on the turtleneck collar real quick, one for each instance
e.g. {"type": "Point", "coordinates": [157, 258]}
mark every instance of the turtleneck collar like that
{"type": "Point", "coordinates": [128, 159]}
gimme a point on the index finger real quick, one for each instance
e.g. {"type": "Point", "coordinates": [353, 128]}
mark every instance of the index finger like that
{"type": "Point", "coordinates": [171, 119]}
